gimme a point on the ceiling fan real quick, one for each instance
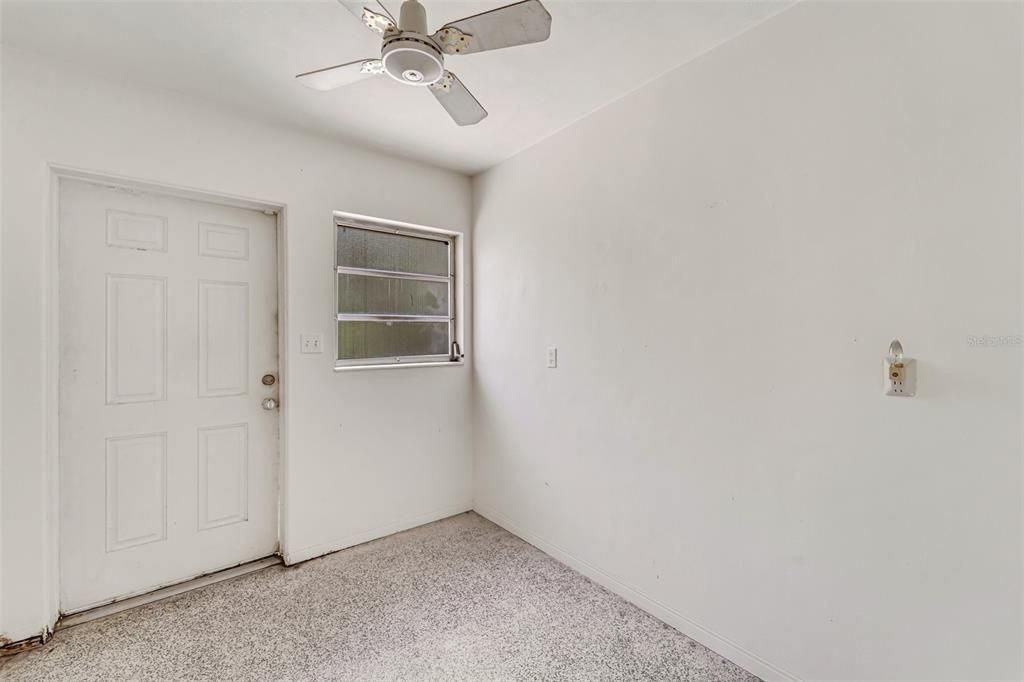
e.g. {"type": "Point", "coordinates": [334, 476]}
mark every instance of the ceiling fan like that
{"type": "Point", "coordinates": [412, 56]}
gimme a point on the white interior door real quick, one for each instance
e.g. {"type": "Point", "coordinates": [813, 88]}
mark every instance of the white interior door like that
{"type": "Point", "coordinates": [168, 459]}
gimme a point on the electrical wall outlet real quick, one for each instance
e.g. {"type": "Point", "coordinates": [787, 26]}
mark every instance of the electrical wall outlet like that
{"type": "Point", "coordinates": [900, 378]}
{"type": "Point", "coordinates": [552, 358]}
{"type": "Point", "coordinates": [312, 343]}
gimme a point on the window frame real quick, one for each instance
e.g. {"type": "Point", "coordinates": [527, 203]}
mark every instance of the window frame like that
{"type": "Point", "coordinates": [454, 357]}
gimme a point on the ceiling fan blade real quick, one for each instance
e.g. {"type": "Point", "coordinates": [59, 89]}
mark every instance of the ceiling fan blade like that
{"type": "Point", "coordinates": [374, 15]}
{"type": "Point", "coordinates": [457, 100]}
{"type": "Point", "coordinates": [519, 24]}
{"type": "Point", "coordinates": [336, 76]}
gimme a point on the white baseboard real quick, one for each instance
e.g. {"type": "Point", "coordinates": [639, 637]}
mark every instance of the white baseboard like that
{"type": "Point", "coordinates": [295, 556]}
{"type": "Point", "coordinates": [712, 640]}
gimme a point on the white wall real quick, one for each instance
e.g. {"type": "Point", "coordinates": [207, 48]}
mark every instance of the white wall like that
{"type": "Point", "coordinates": [369, 452]}
{"type": "Point", "coordinates": [1, 339]}
{"type": "Point", "coordinates": [722, 258]}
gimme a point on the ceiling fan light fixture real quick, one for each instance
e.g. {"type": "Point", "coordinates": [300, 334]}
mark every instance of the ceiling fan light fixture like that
{"type": "Point", "coordinates": [412, 62]}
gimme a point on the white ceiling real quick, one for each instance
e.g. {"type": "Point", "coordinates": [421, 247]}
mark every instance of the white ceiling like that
{"type": "Point", "coordinates": [244, 55]}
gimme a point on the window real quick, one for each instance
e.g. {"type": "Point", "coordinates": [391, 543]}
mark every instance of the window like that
{"type": "Point", "coordinates": [395, 296]}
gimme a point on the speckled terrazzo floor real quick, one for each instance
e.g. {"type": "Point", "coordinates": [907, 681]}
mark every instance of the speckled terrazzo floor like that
{"type": "Point", "coordinates": [459, 599]}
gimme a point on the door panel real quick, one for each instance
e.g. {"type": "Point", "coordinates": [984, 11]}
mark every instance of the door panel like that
{"type": "Point", "coordinates": [136, 338]}
{"type": "Point", "coordinates": [223, 338]}
{"type": "Point", "coordinates": [168, 463]}
{"type": "Point", "coordinates": [223, 467]}
{"type": "Point", "coordinates": [223, 241]}
{"type": "Point", "coordinates": [136, 490]}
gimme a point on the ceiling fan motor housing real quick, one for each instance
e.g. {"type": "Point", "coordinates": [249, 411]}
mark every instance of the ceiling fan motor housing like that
{"type": "Point", "coordinates": [412, 59]}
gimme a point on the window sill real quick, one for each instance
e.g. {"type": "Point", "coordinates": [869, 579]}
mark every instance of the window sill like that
{"type": "Point", "coordinates": [398, 365]}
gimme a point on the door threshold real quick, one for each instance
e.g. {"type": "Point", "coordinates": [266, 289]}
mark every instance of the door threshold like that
{"type": "Point", "coordinates": [165, 592]}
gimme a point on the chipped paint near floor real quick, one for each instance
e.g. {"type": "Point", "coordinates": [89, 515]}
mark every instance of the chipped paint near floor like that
{"type": "Point", "coordinates": [458, 599]}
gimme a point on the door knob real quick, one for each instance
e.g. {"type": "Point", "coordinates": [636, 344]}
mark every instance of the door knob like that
{"type": "Point", "coordinates": [270, 404]}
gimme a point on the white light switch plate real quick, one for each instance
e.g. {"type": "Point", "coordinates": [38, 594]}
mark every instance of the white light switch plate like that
{"type": "Point", "coordinates": [552, 358]}
{"type": "Point", "coordinates": [312, 343]}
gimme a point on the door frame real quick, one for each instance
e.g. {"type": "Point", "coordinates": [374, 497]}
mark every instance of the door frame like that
{"type": "Point", "coordinates": [57, 174]}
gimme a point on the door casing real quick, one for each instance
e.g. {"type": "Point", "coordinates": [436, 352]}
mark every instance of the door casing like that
{"type": "Point", "coordinates": [51, 483]}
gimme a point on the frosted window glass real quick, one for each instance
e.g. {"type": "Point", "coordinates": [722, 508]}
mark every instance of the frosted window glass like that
{"type": "Point", "coordinates": [373, 250]}
{"type": "Point", "coordinates": [358, 294]}
{"type": "Point", "coordinates": [358, 340]}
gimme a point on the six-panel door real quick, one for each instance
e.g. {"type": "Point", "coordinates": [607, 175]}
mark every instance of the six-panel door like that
{"type": "Point", "coordinates": [168, 461]}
